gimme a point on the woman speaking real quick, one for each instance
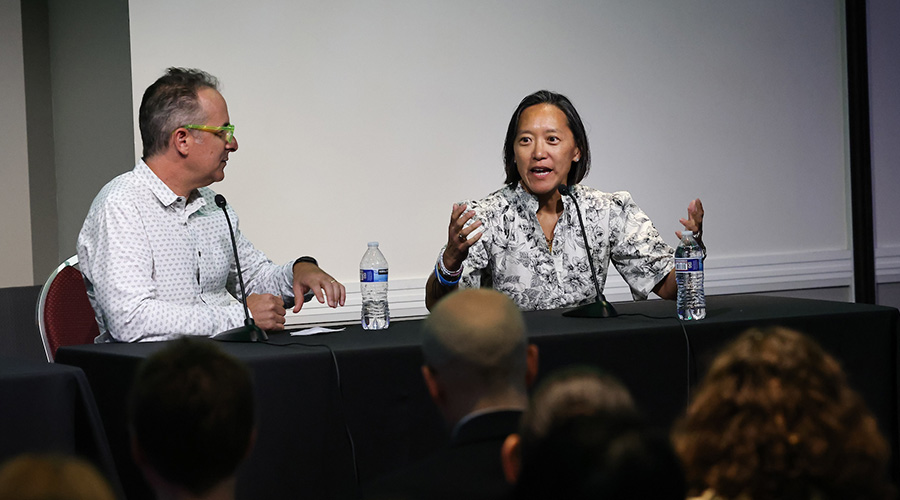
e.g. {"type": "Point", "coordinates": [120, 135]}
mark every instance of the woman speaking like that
{"type": "Point", "coordinates": [525, 239]}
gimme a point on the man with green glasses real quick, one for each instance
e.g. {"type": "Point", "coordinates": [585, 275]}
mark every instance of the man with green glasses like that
{"type": "Point", "coordinates": [155, 248]}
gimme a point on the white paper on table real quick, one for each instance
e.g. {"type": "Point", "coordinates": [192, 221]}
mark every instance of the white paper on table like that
{"type": "Point", "coordinates": [315, 330]}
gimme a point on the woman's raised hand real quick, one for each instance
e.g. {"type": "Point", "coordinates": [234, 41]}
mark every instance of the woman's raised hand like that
{"type": "Point", "coordinates": [458, 236]}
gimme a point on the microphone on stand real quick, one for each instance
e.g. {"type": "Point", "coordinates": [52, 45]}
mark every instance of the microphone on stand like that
{"type": "Point", "coordinates": [249, 332]}
{"type": "Point", "coordinates": [599, 308]}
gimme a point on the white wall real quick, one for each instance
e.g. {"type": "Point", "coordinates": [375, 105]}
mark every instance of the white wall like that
{"type": "Point", "coordinates": [15, 224]}
{"type": "Point", "coordinates": [364, 121]}
{"type": "Point", "coordinates": [884, 82]}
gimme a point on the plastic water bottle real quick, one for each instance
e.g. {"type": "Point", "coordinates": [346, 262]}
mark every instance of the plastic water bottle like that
{"type": "Point", "coordinates": [689, 277]}
{"type": "Point", "coordinates": [373, 283]}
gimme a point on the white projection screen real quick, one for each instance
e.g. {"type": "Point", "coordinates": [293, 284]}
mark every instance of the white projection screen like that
{"type": "Point", "coordinates": [366, 120]}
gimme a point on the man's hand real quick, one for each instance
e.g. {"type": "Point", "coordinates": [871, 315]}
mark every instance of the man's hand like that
{"type": "Point", "coordinates": [267, 310]}
{"type": "Point", "coordinates": [308, 276]}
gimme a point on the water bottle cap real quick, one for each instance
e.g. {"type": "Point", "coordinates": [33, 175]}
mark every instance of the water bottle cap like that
{"type": "Point", "coordinates": [683, 233]}
{"type": "Point", "coordinates": [373, 243]}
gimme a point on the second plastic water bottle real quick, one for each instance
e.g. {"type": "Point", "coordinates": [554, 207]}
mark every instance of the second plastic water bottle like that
{"type": "Point", "coordinates": [691, 301]}
{"type": "Point", "coordinates": [373, 284]}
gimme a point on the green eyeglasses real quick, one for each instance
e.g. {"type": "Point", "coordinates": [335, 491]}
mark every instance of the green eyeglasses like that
{"type": "Point", "coordinates": [227, 129]}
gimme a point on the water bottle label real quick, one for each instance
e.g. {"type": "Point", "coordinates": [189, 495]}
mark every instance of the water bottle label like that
{"type": "Point", "coordinates": [373, 275]}
{"type": "Point", "coordinates": [688, 265]}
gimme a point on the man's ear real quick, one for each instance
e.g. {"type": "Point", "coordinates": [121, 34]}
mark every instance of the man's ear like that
{"type": "Point", "coordinates": [434, 387]}
{"type": "Point", "coordinates": [511, 458]}
{"type": "Point", "coordinates": [531, 366]}
{"type": "Point", "coordinates": [181, 141]}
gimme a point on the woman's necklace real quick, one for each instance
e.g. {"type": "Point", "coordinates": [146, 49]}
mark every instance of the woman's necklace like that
{"type": "Point", "coordinates": [549, 243]}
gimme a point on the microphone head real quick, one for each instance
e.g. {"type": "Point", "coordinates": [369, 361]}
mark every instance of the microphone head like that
{"type": "Point", "coordinates": [220, 201]}
{"type": "Point", "coordinates": [563, 189]}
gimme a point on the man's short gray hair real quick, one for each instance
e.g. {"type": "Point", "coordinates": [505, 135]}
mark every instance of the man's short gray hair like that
{"type": "Point", "coordinates": [171, 102]}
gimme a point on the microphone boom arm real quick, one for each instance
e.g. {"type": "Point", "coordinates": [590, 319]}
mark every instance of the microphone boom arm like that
{"type": "Point", "coordinates": [249, 332]}
{"type": "Point", "coordinates": [599, 308]}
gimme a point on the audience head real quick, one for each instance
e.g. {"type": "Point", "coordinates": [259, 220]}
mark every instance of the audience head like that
{"type": "Point", "coordinates": [582, 437]}
{"type": "Point", "coordinates": [580, 168]}
{"type": "Point", "coordinates": [191, 414]}
{"type": "Point", "coordinates": [775, 418]}
{"type": "Point", "coordinates": [565, 394]}
{"type": "Point", "coordinates": [476, 352]}
{"type": "Point", "coordinates": [170, 102]}
{"type": "Point", "coordinates": [52, 477]}
{"type": "Point", "coordinates": [613, 456]}
{"type": "Point", "coordinates": [573, 391]}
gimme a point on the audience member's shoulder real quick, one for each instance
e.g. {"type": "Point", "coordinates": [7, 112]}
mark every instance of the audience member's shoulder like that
{"type": "Point", "coordinates": [450, 474]}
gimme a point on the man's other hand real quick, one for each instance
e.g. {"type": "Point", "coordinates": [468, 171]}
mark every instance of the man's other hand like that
{"type": "Point", "coordinates": [308, 276]}
{"type": "Point", "coordinates": [267, 310]}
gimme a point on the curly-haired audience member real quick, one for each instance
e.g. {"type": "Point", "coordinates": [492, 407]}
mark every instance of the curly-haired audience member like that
{"type": "Point", "coordinates": [775, 419]}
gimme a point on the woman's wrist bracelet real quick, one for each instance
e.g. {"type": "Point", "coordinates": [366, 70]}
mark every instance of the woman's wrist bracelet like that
{"type": "Point", "coordinates": [442, 280]}
{"type": "Point", "coordinates": [443, 268]}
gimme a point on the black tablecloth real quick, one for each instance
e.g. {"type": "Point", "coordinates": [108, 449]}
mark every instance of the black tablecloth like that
{"type": "Point", "coordinates": [48, 408]}
{"type": "Point", "coordinates": [314, 392]}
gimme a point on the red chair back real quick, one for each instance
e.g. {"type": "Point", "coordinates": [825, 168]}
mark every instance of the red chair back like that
{"type": "Point", "coordinates": [65, 315]}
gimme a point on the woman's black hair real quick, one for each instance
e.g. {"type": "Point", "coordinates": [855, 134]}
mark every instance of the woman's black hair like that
{"type": "Point", "coordinates": [580, 168]}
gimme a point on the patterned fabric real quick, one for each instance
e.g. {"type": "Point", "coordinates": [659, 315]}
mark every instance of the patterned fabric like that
{"type": "Point", "coordinates": [512, 255]}
{"type": "Point", "coordinates": [159, 266]}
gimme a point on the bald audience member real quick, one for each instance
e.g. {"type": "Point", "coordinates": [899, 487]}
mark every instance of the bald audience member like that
{"type": "Point", "coordinates": [478, 367]}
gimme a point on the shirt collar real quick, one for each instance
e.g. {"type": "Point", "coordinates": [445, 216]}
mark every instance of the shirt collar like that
{"type": "Point", "coordinates": [454, 434]}
{"type": "Point", "coordinates": [527, 202]}
{"type": "Point", "coordinates": [166, 196]}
